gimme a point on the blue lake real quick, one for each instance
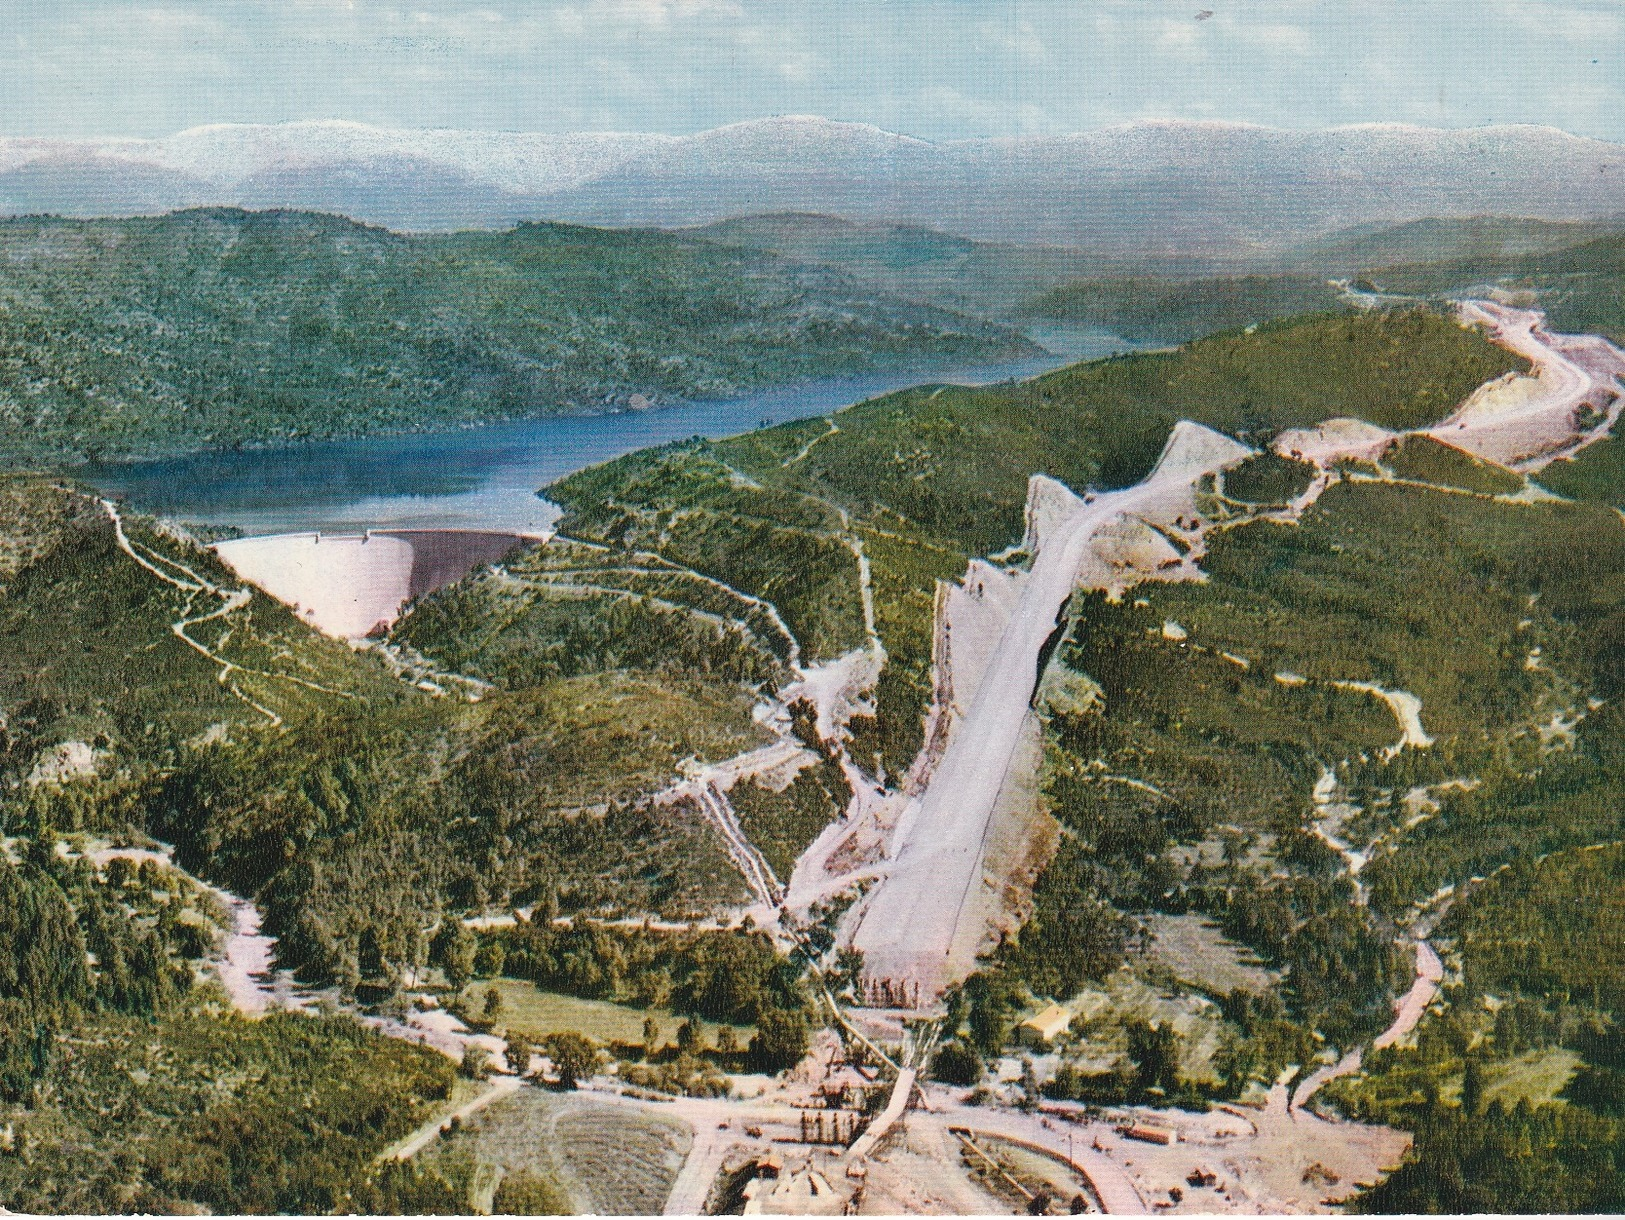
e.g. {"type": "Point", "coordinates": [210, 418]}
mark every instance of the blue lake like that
{"type": "Point", "coordinates": [485, 477]}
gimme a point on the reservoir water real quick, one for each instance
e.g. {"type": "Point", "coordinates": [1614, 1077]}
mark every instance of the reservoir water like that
{"type": "Point", "coordinates": [479, 478]}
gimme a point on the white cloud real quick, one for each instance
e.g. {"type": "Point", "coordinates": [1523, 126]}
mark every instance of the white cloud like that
{"type": "Point", "coordinates": [1020, 39]}
{"type": "Point", "coordinates": [1181, 39]}
{"type": "Point", "coordinates": [1277, 36]}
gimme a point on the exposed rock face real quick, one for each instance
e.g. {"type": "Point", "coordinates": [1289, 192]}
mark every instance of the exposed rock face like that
{"type": "Point", "coordinates": [354, 585]}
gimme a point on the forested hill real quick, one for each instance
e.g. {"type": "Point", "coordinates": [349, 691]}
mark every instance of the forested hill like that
{"type": "Point", "coordinates": [220, 327]}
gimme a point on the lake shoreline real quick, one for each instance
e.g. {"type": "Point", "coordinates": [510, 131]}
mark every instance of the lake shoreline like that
{"type": "Point", "coordinates": [921, 371]}
{"type": "Point", "coordinates": [484, 476]}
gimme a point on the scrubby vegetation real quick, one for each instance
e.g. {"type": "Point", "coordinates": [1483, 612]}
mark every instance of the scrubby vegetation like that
{"type": "Point", "coordinates": [220, 327]}
{"type": "Point", "coordinates": [954, 462]}
{"type": "Point", "coordinates": [279, 1115]}
{"type": "Point", "coordinates": [1426, 460]}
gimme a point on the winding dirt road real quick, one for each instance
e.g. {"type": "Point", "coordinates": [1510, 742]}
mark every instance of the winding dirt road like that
{"type": "Point", "coordinates": [1407, 1014]}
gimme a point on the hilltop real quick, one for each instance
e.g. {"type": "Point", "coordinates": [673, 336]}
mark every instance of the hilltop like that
{"type": "Point", "coordinates": [923, 264]}
{"type": "Point", "coordinates": [1572, 270]}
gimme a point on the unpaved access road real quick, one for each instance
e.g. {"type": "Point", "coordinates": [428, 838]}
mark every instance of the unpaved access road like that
{"type": "Point", "coordinates": [1067, 1143]}
{"type": "Point", "coordinates": [496, 1088]}
{"type": "Point", "coordinates": [1407, 1014]}
{"type": "Point", "coordinates": [1527, 423]}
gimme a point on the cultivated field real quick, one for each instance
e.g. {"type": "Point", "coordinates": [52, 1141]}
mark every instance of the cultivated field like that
{"type": "Point", "coordinates": [606, 1159]}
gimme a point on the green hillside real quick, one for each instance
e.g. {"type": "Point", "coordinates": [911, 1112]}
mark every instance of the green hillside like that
{"type": "Point", "coordinates": [925, 479]}
{"type": "Point", "coordinates": [145, 696]}
{"type": "Point", "coordinates": [1581, 288]}
{"type": "Point", "coordinates": [124, 1087]}
{"type": "Point", "coordinates": [1514, 1093]}
{"type": "Point", "coordinates": [1172, 311]}
{"type": "Point", "coordinates": [987, 278]}
{"type": "Point", "coordinates": [1436, 239]}
{"type": "Point", "coordinates": [1575, 271]}
{"type": "Point", "coordinates": [291, 767]}
{"type": "Point", "coordinates": [219, 327]}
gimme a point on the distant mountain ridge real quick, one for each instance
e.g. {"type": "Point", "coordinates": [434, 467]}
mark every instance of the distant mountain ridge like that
{"type": "Point", "coordinates": [1133, 191]}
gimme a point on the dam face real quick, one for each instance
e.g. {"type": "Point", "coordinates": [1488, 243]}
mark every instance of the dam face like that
{"type": "Point", "coordinates": [355, 585]}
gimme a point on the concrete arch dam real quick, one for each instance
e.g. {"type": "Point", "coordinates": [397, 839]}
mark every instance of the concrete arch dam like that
{"type": "Point", "coordinates": [355, 585]}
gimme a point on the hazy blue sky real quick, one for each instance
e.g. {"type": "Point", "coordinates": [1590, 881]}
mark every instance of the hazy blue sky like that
{"type": "Point", "coordinates": [933, 68]}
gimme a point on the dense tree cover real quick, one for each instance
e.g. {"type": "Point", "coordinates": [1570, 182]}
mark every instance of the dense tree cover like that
{"type": "Point", "coordinates": [372, 826]}
{"type": "Point", "coordinates": [221, 327]}
{"type": "Point", "coordinates": [1542, 1160]}
{"type": "Point", "coordinates": [782, 825]}
{"type": "Point", "coordinates": [123, 1088]}
{"type": "Point", "coordinates": [76, 940]}
{"type": "Point", "coordinates": [1173, 311]}
{"type": "Point", "coordinates": [1597, 473]}
{"type": "Point", "coordinates": [1189, 737]}
{"type": "Point", "coordinates": [1418, 590]}
{"type": "Point", "coordinates": [957, 1063]}
{"type": "Point", "coordinates": [536, 621]}
{"type": "Point", "coordinates": [1184, 783]}
{"type": "Point", "coordinates": [1129, 848]}
{"type": "Point", "coordinates": [724, 976]}
{"type": "Point", "coordinates": [371, 807]}
{"type": "Point", "coordinates": [1514, 939]}
{"type": "Point", "coordinates": [689, 505]}
{"type": "Point", "coordinates": [1538, 943]}
{"type": "Point", "coordinates": [1073, 936]}
{"type": "Point", "coordinates": [1530, 801]}
{"type": "Point", "coordinates": [781, 1040]}
{"type": "Point", "coordinates": [574, 1058]}
{"type": "Point", "coordinates": [284, 1114]}
{"type": "Point", "coordinates": [1430, 461]}
{"type": "Point", "coordinates": [1267, 478]}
